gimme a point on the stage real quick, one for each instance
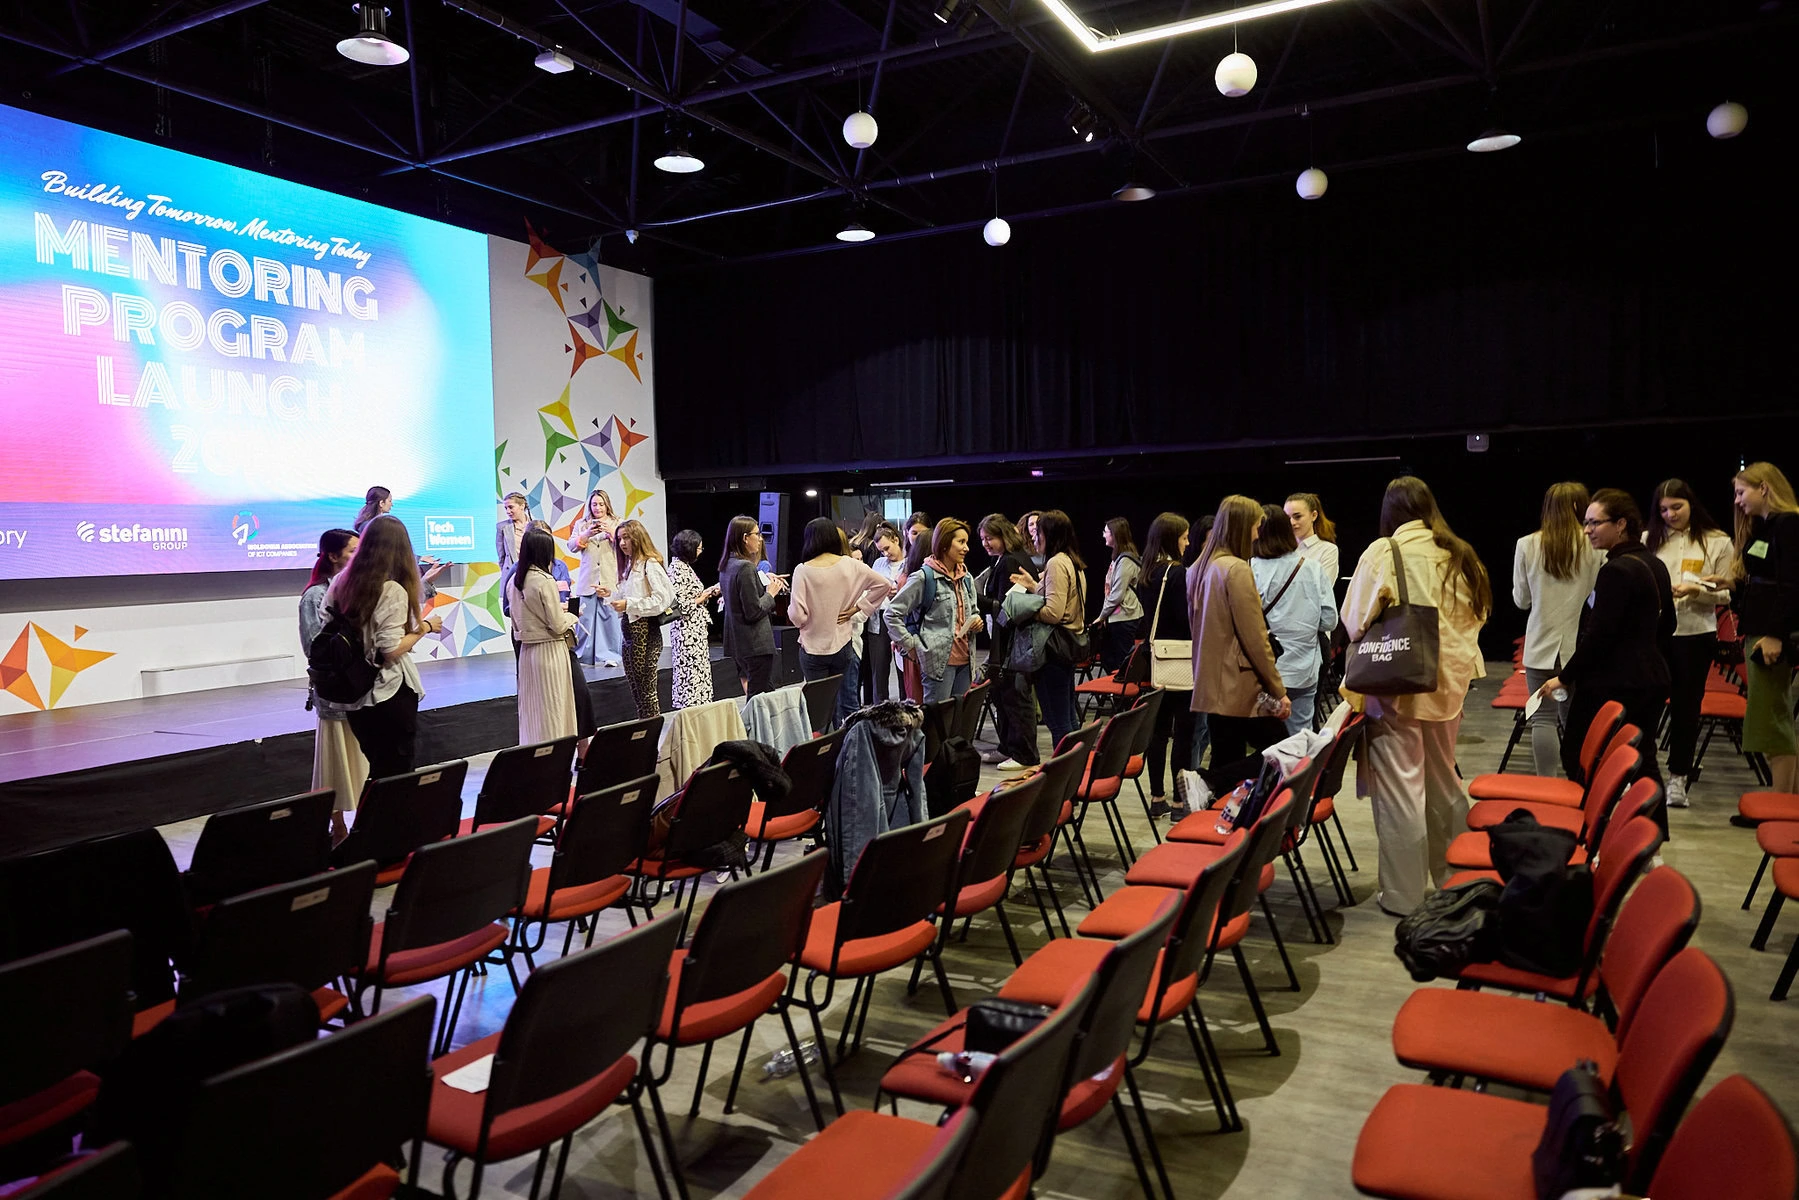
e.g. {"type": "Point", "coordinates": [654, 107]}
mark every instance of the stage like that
{"type": "Point", "coordinates": [70, 774]}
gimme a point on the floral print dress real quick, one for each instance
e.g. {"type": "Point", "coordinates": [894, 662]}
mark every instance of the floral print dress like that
{"type": "Point", "coordinates": [689, 646]}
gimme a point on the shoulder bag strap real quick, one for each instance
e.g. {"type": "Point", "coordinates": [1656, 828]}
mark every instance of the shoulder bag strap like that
{"type": "Point", "coordinates": [1156, 617]}
{"type": "Point", "coordinates": [1405, 596]}
{"type": "Point", "coordinates": [1277, 596]}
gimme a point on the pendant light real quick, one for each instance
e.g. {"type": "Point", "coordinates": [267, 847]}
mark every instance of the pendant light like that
{"type": "Point", "coordinates": [370, 44]}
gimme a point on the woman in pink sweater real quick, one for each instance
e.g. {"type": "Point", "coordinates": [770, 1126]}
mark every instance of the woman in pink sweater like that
{"type": "Point", "coordinates": [829, 589]}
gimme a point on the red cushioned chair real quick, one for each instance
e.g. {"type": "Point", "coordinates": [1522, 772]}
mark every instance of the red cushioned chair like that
{"type": "Point", "coordinates": [1516, 1041]}
{"type": "Point", "coordinates": [1102, 1059]}
{"type": "Point", "coordinates": [397, 815]}
{"type": "Point", "coordinates": [62, 1013]}
{"type": "Point", "coordinates": [1105, 779]}
{"type": "Point", "coordinates": [1060, 776]}
{"type": "Point", "coordinates": [617, 754]}
{"type": "Point", "coordinates": [735, 972]}
{"type": "Point", "coordinates": [1758, 806]}
{"type": "Point", "coordinates": [1422, 1142]}
{"type": "Point", "coordinates": [712, 807]}
{"type": "Point", "coordinates": [260, 845]}
{"type": "Point", "coordinates": [1483, 814]}
{"type": "Point", "coordinates": [1152, 699]}
{"type": "Point", "coordinates": [324, 1119]}
{"type": "Point", "coordinates": [812, 769]}
{"type": "Point", "coordinates": [1513, 695]}
{"type": "Point", "coordinates": [1109, 691]}
{"type": "Point", "coordinates": [1641, 799]}
{"type": "Point", "coordinates": [109, 1174]}
{"type": "Point", "coordinates": [1472, 851]}
{"type": "Point", "coordinates": [525, 781]}
{"type": "Point", "coordinates": [448, 915]}
{"type": "Point", "coordinates": [1725, 710]}
{"type": "Point", "coordinates": [1084, 739]}
{"type": "Point", "coordinates": [873, 1156]}
{"type": "Point", "coordinates": [883, 921]}
{"type": "Point", "coordinates": [563, 1057]}
{"type": "Point", "coordinates": [1775, 839]}
{"type": "Point", "coordinates": [604, 834]}
{"type": "Point", "coordinates": [1786, 884]}
{"type": "Point", "coordinates": [1545, 789]}
{"type": "Point", "coordinates": [1735, 1142]}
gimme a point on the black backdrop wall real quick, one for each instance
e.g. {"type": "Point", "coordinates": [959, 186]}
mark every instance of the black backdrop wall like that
{"type": "Point", "coordinates": [1581, 282]}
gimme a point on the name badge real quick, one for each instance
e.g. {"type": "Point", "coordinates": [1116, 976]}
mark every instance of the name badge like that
{"type": "Point", "coordinates": [1757, 550]}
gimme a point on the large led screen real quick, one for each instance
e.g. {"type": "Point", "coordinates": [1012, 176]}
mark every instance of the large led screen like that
{"type": "Point", "coordinates": [203, 368]}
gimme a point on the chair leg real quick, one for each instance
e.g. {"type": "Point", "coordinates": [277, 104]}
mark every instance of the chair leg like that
{"type": "Point", "coordinates": [1206, 1051]}
{"type": "Point", "coordinates": [1074, 862]}
{"type": "Point", "coordinates": [699, 1083]}
{"type": "Point", "coordinates": [668, 1140]}
{"type": "Point", "coordinates": [1083, 859]}
{"type": "Point", "coordinates": [1149, 1135]}
{"type": "Point", "coordinates": [1757, 881]}
{"type": "Point", "coordinates": [1115, 820]}
{"type": "Point", "coordinates": [693, 894]}
{"type": "Point", "coordinates": [1055, 900]}
{"type": "Point", "coordinates": [849, 1020]}
{"type": "Point", "coordinates": [1147, 815]}
{"type": "Point", "coordinates": [1787, 972]}
{"type": "Point", "coordinates": [1255, 1001]}
{"type": "Point", "coordinates": [1049, 930]}
{"type": "Point", "coordinates": [824, 1052]}
{"type": "Point", "coordinates": [1333, 865]}
{"type": "Point", "coordinates": [561, 1166]}
{"type": "Point", "coordinates": [1337, 820]}
{"type": "Point", "coordinates": [1518, 727]}
{"type": "Point", "coordinates": [1130, 1144]}
{"type": "Point", "coordinates": [543, 1162]}
{"type": "Point", "coordinates": [649, 1148]}
{"type": "Point", "coordinates": [949, 997]}
{"type": "Point", "coordinates": [1005, 927]}
{"type": "Point", "coordinates": [868, 995]}
{"type": "Point", "coordinates": [1305, 900]}
{"type": "Point", "coordinates": [743, 1052]}
{"type": "Point", "coordinates": [1760, 940]}
{"type": "Point", "coordinates": [799, 1061]}
{"type": "Point", "coordinates": [1280, 944]}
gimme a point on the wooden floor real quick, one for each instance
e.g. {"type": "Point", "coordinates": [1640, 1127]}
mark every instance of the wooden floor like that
{"type": "Point", "coordinates": [1301, 1110]}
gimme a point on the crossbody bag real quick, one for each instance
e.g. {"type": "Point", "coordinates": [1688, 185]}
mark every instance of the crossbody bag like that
{"type": "Point", "coordinates": [1170, 659]}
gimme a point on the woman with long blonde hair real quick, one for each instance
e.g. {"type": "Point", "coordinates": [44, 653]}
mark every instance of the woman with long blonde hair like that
{"type": "Point", "coordinates": [1553, 571]}
{"type": "Point", "coordinates": [1767, 576]}
{"type": "Point", "coordinates": [379, 591]}
{"type": "Point", "coordinates": [644, 594]}
{"type": "Point", "coordinates": [1315, 533]}
{"type": "Point", "coordinates": [592, 539]}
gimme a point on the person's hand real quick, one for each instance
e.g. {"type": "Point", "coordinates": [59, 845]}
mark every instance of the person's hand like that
{"type": "Point", "coordinates": [618, 605]}
{"type": "Point", "coordinates": [847, 615]}
{"type": "Point", "coordinates": [601, 590]}
{"type": "Point", "coordinates": [709, 593]}
{"type": "Point", "coordinates": [1716, 580]}
{"type": "Point", "coordinates": [1770, 648]}
{"type": "Point", "coordinates": [606, 525]}
{"type": "Point", "coordinates": [1286, 708]}
{"type": "Point", "coordinates": [776, 585]}
{"type": "Point", "coordinates": [1024, 579]}
{"type": "Point", "coordinates": [1685, 589]}
{"type": "Point", "coordinates": [433, 571]}
{"type": "Point", "coordinates": [975, 624]}
{"type": "Point", "coordinates": [1550, 685]}
{"type": "Point", "coordinates": [431, 624]}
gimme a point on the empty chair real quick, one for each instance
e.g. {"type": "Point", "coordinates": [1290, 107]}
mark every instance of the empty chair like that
{"type": "Point", "coordinates": [711, 809]}
{"type": "Point", "coordinates": [604, 834]}
{"type": "Point", "coordinates": [448, 914]}
{"type": "Point", "coordinates": [940, 723]}
{"type": "Point", "coordinates": [400, 813]}
{"type": "Point", "coordinates": [618, 754]}
{"type": "Point", "coordinates": [984, 871]}
{"type": "Point", "coordinates": [324, 1119]}
{"type": "Point", "coordinates": [524, 781]}
{"type": "Point", "coordinates": [1105, 778]}
{"type": "Point", "coordinates": [1060, 776]}
{"type": "Point", "coordinates": [259, 845]}
{"type": "Point", "coordinates": [1547, 789]}
{"type": "Point", "coordinates": [821, 701]}
{"type": "Point", "coordinates": [812, 771]}
{"type": "Point", "coordinates": [968, 710]}
{"type": "Point", "coordinates": [563, 1057]}
{"type": "Point", "coordinates": [1734, 1143]}
{"type": "Point", "coordinates": [62, 1013]}
{"type": "Point", "coordinates": [1151, 700]}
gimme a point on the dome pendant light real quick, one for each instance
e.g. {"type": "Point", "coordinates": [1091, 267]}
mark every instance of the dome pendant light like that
{"type": "Point", "coordinates": [1134, 191]}
{"type": "Point", "coordinates": [860, 130]}
{"type": "Point", "coordinates": [855, 231]}
{"type": "Point", "coordinates": [371, 45]}
{"type": "Point", "coordinates": [1727, 120]}
{"type": "Point", "coordinates": [1492, 140]}
{"type": "Point", "coordinates": [678, 159]}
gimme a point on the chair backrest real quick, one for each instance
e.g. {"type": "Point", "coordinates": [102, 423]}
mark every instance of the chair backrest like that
{"type": "Point", "coordinates": [1018, 1099]}
{"type": "Point", "coordinates": [307, 932]}
{"type": "Point", "coordinates": [1613, 875]}
{"type": "Point", "coordinates": [242, 849]}
{"type": "Point", "coordinates": [1599, 734]}
{"type": "Point", "coordinates": [1303, 782]}
{"type": "Point", "coordinates": [619, 753]}
{"type": "Point", "coordinates": [1642, 798]}
{"type": "Point", "coordinates": [821, 701]}
{"type": "Point", "coordinates": [714, 805]}
{"type": "Point", "coordinates": [523, 781]}
{"type": "Point", "coordinates": [1678, 1030]}
{"type": "Point", "coordinates": [1085, 737]}
{"type": "Point", "coordinates": [1201, 917]}
{"type": "Point", "coordinates": [751, 929]}
{"type": "Point", "coordinates": [111, 1174]}
{"type": "Point", "coordinates": [902, 876]}
{"type": "Point", "coordinates": [1124, 976]}
{"type": "Point", "coordinates": [938, 1170]}
{"type": "Point", "coordinates": [400, 813]}
{"type": "Point", "coordinates": [968, 712]}
{"type": "Point", "coordinates": [1735, 1142]}
{"type": "Point", "coordinates": [1152, 700]}
{"type": "Point", "coordinates": [812, 770]}
{"type": "Point", "coordinates": [1609, 781]}
{"type": "Point", "coordinates": [310, 1121]}
{"type": "Point", "coordinates": [1113, 753]}
{"type": "Point", "coordinates": [63, 1011]}
{"type": "Point", "coordinates": [1266, 837]}
{"type": "Point", "coordinates": [1654, 925]}
{"type": "Point", "coordinates": [1336, 760]}
{"type": "Point", "coordinates": [577, 1016]}
{"type": "Point", "coordinates": [604, 833]}
{"type": "Point", "coordinates": [997, 833]}
{"type": "Point", "coordinates": [453, 888]}
{"type": "Point", "coordinates": [939, 723]}
{"type": "Point", "coordinates": [1060, 776]}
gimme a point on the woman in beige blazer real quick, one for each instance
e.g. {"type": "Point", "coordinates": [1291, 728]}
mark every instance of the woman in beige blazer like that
{"type": "Point", "coordinates": [1233, 663]}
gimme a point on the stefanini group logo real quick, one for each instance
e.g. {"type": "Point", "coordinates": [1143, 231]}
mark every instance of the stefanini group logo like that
{"type": "Point", "coordinates": [154, 537]}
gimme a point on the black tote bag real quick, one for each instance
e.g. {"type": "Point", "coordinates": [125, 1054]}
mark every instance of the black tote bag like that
{"type": "Point", "coordinates": [1398, 654]}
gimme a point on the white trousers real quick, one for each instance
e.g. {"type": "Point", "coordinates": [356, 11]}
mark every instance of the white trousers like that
{"type": "Point", "coordinates": [1419, 804]}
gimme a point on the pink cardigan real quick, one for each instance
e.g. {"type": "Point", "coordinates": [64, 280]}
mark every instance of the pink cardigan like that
{"type": "Point", "coordinates": [819, 594]}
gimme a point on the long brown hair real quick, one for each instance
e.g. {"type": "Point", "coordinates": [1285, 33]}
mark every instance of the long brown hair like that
{"type": "Point", "coordinates": [602, 493]}
{"type": "Point", "coordinates": [384, 556]}
{"type": "Point", "coordinates": [996, 525]}
{"type": "Point", "coordinates": [1163, 541]}
{"type": "Point", "coordinates": [1560, 531]}
{"type": "Point", "coordinates": [1057, 533]}
{"type": "Point", "coordinates": [1780, 499]}
{"type": "Point", "coordinates": [1322, 525]}
{"type": "Point", "coordinates": [1233, 531]}
{"type": "Point", "coordinates": [634, 545]}
{"type": "Point", "coordinates": [1122, 541]}
{"type": "Point", "coordinates": [1409, 498]}
{"type": "Point", "coordinates": [736, 534]}
{"type": "Point", "coordinates": [372, 501]}
{"type": "Point", "coordinates": [1699, 519]}
{"type": "Point", "coordinates": [331, 544]}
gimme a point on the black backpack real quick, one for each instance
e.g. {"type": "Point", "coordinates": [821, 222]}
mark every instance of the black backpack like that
{"type": "Point", "coordinates": [338, 664]}
{"type": "Point", "coordinates": [1452, 928]}
{"type": "Point", "coordinates": [954, 777]}
{"type": "Point", "coordinates": [1547, 904]}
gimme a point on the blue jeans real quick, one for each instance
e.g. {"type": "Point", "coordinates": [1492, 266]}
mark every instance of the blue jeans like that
{"type": "Point", "coordinates": [1305, 702]}
{"type": "Point", "coordinates": [953, 683]}
{"type": "Point", "coordinates": [1055, 696]}
{"type": "Point", "coordinates": [602, 634]}
{"type": "Point", "coordinates": [844, 663]}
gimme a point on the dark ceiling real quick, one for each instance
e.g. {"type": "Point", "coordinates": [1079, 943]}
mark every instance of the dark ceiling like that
{"type": "Point", "coordinates": [973, 116]}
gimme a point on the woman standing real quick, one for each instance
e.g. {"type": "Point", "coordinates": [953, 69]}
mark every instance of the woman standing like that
{"type": "Point", "coordinates": [749, 634]}
{"type": "Point", "coordinates": [1164, 596]}
{"type": "Point", "coordinates": [1298, 605]}
{"type": "Point", "coordinates": [1315, 533]}
{"type": "Point", "coordinates": [337, 761]}
{"type": "Point", "coordinates": [377, 501]}
{"type": "Point", "coordinates": [1552, 574]}
{"type": "Point", "coordinates": [692, 654]}
{"type": "Point", "coordinates": [1408, 758]}
{"type": "Point", "coordinates": [829, 589]}
{"type": "Point", "coordinates": [886, 556]}
{"type": "Point", "coordinates": [1014, 712]}
{"type": "Point", "coordinates": [644, 593]}
{"type": "Point", "coordinates": [937, 634]}
{"type": "Point", "coordinates": [1236, 682]}
{"type": "Point", "coordinates": [1693, 548]}
{"type": "Point", "coordinates": [1064, 606]}
{"type": "Point", "coordinates": [918, 548]}
{"type": "Point", "coordinates": [508, 533]}
{"type": "Point", "coordinates": [862, 542]}
{"type": "Point", "coordinates": [593, 540]}
{"type": "Point", "coordinates": [542, 625]}
{"type": "Point", "coordinates": [379, 590]}
{"type": "Point", "coordinates": [1027, 526]}
{"type": "Point", "coordinates": [1767, 568]}
{"type": "Point", "coordinates": [1120, 613]}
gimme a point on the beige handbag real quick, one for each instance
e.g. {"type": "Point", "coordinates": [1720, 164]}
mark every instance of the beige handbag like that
{"type": "Point", "coordinates": [1170, 659]}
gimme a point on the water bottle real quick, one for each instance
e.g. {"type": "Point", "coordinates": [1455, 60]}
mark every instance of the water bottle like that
{"type": "Point", "coordinates": [782, 1062]}
{"type": "Point", "coordinates": [1559, 695]}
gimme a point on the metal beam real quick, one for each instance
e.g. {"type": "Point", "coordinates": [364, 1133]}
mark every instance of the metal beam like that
{"type": "Point", "coordinates": [155, 34]}
{"type": "Point", "coordinates": [874, 91]}
{"type": "Point", "coordinates": [412, 69]}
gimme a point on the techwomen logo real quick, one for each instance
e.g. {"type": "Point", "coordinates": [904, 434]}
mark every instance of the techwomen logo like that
{"type": "Point", "coordinates": [245, 527]}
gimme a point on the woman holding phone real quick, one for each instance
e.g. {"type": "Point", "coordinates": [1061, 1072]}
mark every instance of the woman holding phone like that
{"type": "Point", "coordinates": [595, 581]}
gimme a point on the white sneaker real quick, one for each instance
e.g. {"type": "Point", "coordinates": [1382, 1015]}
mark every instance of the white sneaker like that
{"type": "Point", "coordinates": [1677, 793]}
{"type": "Point", "coordinates": [1012, 764]}
{"type": "Point", "coordinates": [1191, 789]}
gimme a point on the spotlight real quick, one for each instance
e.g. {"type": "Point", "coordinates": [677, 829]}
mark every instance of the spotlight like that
{"type": "Point", "coordinates": [855, 231]}
{"type": "Point", "coordinates": [555, 62]}
{"type": "Point", "coordinates": [371, 44]}
{"type": "Point", "coordinates": [631, 236]}
{"type": "Point", "coordinates": [811, 493]}
{"type": "Point", "coordinates": [1311, 183]}
{"type": "Point", "coordinates": [678, 159]}
{"type": "Point", "coordinates": [1236, 74]}
{"type": "Point", "coordinates": [1081, 121]}
{"type": "Point", "coordinates": [860, 130]}
{"type": "Point", "coordinates": [960, 13]}
{"type": "Point", "coordinates": [996, 232]}
{"type": "Point", "coordinates": [1727, 120]}
{"type": "Point", "coordinates": [1134, 191]}
{"type": "Point", "coordinates": [1494, 139]}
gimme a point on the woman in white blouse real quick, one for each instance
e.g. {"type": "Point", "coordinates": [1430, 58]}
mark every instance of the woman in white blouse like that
{"type": "Point", "coordinates": [1316, 535]}
{"type": "Point", "coordinates": [644, 594]}
{"type": "Point", "coordinates": [1553, 571]}
{"type": "Point", "coordinates": [1693, 548]}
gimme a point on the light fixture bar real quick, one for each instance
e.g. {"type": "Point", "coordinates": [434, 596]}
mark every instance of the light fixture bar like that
{"type": "Point", "coordinates": [1097, 43]}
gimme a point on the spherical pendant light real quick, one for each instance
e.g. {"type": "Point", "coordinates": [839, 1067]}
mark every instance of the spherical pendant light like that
{"type": "Point", "coordinates": [996, 232]}
{"type": "Point", "coordinates": [860, 130]}
{"type": "Point", "coordinates": [1727, 120]}
{"type": "Point", "coordinates": [1311, 183]}
{"type": "Point", "coordinates": [1236, 74]}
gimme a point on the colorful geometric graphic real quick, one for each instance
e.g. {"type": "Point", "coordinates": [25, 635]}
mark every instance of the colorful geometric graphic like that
{"type": "Point", "coordinates": [634, 496]}
{"type": "Point", "coordinates": [15, 669]}
{"type": "Point", "coordinates": [64, 660]}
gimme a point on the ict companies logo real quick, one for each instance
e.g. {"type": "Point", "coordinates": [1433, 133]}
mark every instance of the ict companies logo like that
{"type": "Point", "coordinates": [245, 527]}
{"type": "Point", "coordinates": [154, 537]}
